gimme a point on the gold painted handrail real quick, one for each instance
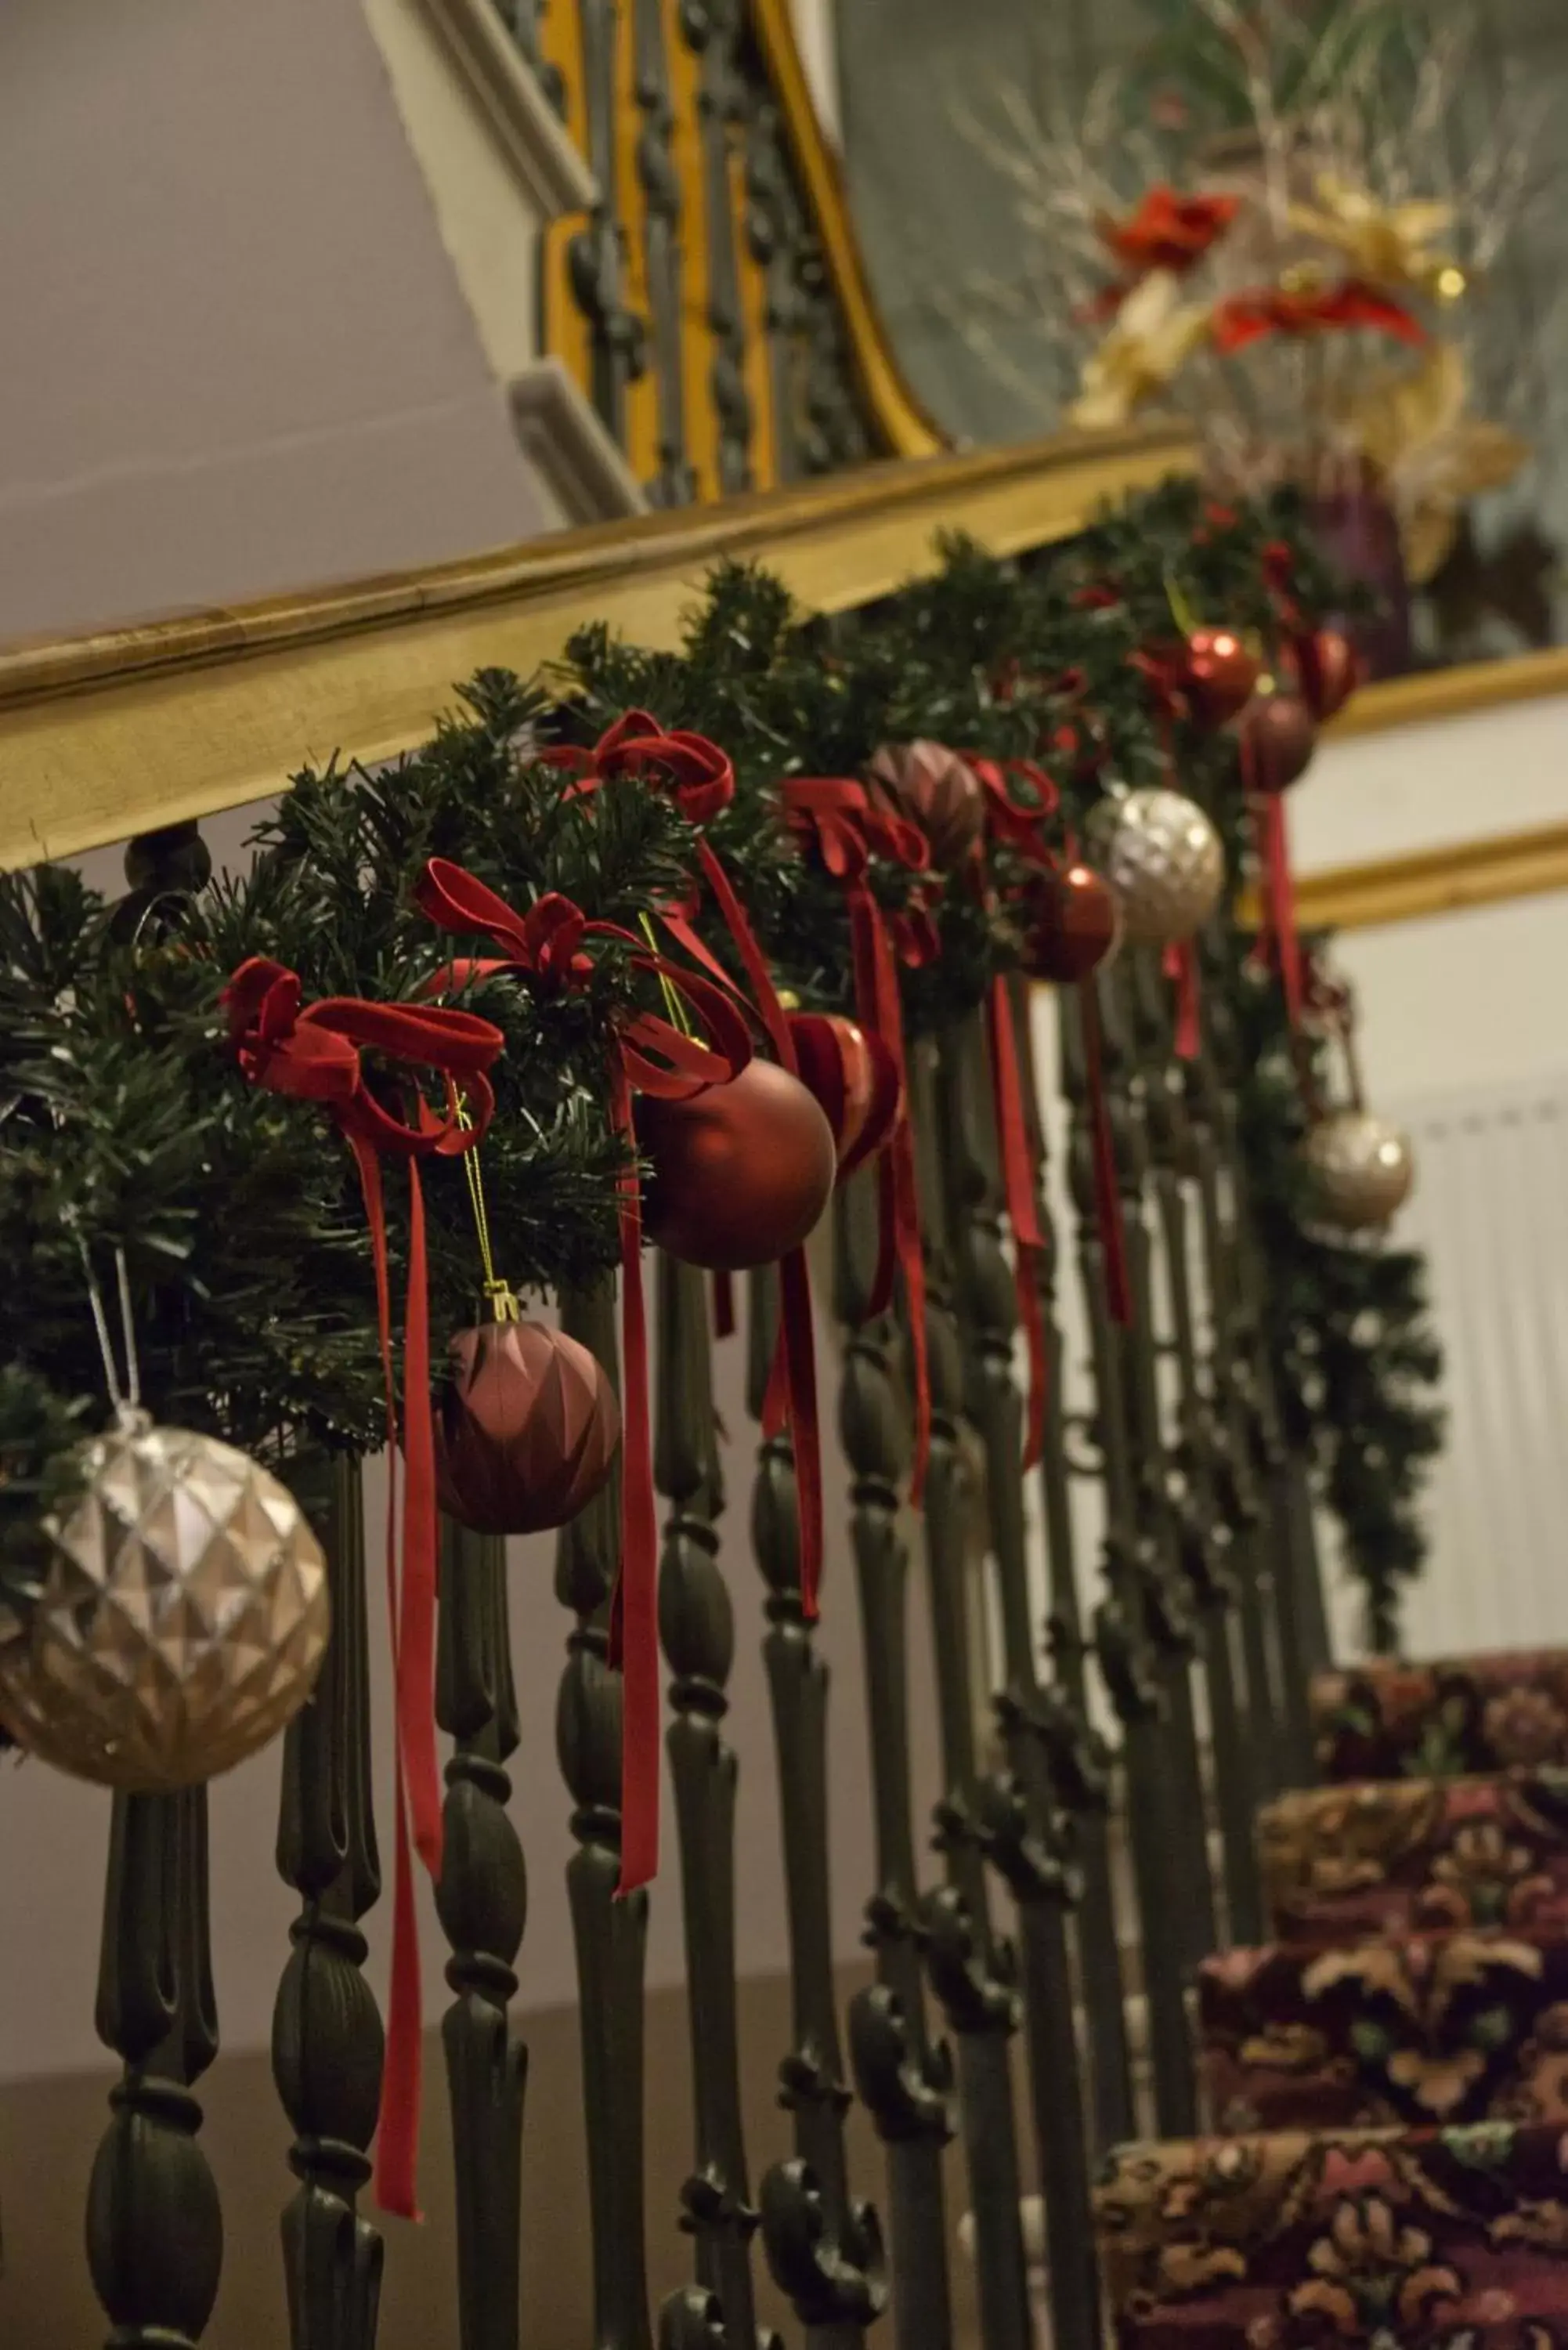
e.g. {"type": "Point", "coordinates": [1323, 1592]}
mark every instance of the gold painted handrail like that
{"type": "Point", "coordinates": [1455, 692]}
{"type": "Point", "coordinates": [107, 735]}
{"type": "Point", "coordinates": [1448, 881]}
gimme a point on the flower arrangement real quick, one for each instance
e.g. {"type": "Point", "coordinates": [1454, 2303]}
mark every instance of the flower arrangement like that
{"type": "Point", "coordinates": [1261, 228]}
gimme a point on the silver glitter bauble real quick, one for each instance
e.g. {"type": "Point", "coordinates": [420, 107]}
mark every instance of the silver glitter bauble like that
{"type": "Point", "coordinates": [1362, 1169]}
{"type": "Point", "coordinates": [1166, 862]}
{"type": "Point", "coordinates": [182, 1618]}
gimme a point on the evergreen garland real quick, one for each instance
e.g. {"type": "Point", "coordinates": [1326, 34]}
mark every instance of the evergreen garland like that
{"type": "Point", "coordinates": [126, 1123]}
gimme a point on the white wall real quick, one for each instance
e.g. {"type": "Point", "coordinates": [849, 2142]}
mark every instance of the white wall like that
{"type": "Point", "coordinates": [815, 30]}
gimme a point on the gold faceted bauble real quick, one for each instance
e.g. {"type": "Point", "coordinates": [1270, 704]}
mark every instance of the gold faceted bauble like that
{"type": "Point", "coordinates": [1166, 863]}
{"type": "Point", "coordinates": [182, 1618]}
{"type": "Point", "coordinates": [1362, 1169]}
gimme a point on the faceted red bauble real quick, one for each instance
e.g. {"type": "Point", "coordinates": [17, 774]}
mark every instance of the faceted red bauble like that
{"type": "Point", "coordinates": [1076, 924]}
{"type": "Point", "coordinates": [936, 790]}
{"type": "Point", "coordinates": [528, 1433]}
{"type": "Point", "coordinates": [1281, 735]}
{"type": "Point", "coordinates": [1222, 674]}
{"type": "Point", "coordinates": [740, 1172]}
{"type": "Point", "coordinates": [853, 1074]}
{"type": "Point", "coordinates": [1328, 671]}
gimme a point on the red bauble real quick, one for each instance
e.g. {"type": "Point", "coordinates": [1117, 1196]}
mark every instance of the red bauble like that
{"type": "Point", "coordinates": [1279, 735]}
{"type": "Point", "coordinates": [1328, 671]}
{"type": "Point", "coordinates": [936, 790]}
{"type": "Point", "coordinates": [1075, 925]}
{"type": "Point", "coordinates": [528, 1433]}
{"type": "Point", "coordinates": [851, 1073]}
{"type": "Point", "coordinates": [1222, 675]}
{"type": "Point", "coordinates": [742, 1171]}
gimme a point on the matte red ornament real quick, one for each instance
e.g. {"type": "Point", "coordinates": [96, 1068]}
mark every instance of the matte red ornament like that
{"type": "Point", "coordinates": [1328, 669]}
{"type": "Point", "coordinates": [1221, 675]}
{"type": "Point", "coordinates": [851, 1074]}
{"type": "Point", "coordinates": [530, 1430]}
{"type": "Point", "coordinates": [1279, 735]}
{"type": "Point", "coordinates": [742, 1173]}
{"type": "Point", "coordinates": [1075, 925]}
{"type": "Point", "coordinates": [936, 790]}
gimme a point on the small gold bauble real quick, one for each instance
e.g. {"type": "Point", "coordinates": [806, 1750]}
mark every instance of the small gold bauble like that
{"type": "Point", "coordinates": [1165, 861]}
{"type": "Point", "coordinates": [182, 1618]}
{"type": "Point", "coordinates": [1362, 1169]}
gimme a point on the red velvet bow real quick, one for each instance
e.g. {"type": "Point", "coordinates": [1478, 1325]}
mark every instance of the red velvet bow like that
{"type": "Point", "coordinates": [546, 948]}
{"type": "Point", "coordinates": [313, 1052]}
{"type": "Point", "coordinates": [836, 816]}
{"type": "Point", "coordinates": [1247, 319]}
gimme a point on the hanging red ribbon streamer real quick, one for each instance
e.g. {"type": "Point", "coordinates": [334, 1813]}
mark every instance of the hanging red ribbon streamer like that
{"type": "Point", "coordinates": [700, 778]}
{"type": "Point", "coordinates": [1179, 963]}
{"type": "Point", "coordinates": [547, 948]}
{"type": "Point", "coordinates": [1279, 940]}
{"type": "Point", "coordinates": [837, 816]}
{"type": "Point", "coordinates": [313, 1052]}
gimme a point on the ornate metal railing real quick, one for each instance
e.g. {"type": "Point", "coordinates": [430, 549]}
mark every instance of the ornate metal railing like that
{"type": "Point", "coordinates": [1208, 1608]}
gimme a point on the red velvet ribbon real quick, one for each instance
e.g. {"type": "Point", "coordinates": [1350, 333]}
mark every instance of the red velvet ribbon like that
{"type": "Point", "coordinates": [1279, 940]}
{"type": "Point", "coordinates": [313, 1052]}
{"type": "Point", "coordinates": [1247, 319]}
{"type": "Point", "coordinates": [547, 948]}
{"type": "Point", "coordinates": [1180, 966]}
{"type": "Point", "coordinates": [837, 816]}
{"type": "Point", "coordinates": [700, 778]}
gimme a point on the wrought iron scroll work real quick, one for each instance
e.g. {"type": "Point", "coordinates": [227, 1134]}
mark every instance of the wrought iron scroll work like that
{"type": "Point", "coordinates": [697, 1625]}
{"type": "Point", "coordinates": [712, 28]}
{"type": "Point", "coordinates": [1029, 1835]}
{"type": "Point", "coordinates": [1085, 1765]}
{"type": "Point", "coordinates": [1203, 1535]}
{"type": "Point", "coordinates": [1128, 1660]}
{"type": "Point", "coordinates": [904, 2078]}
{"type": "Point", "coordinates": [483, 1900]}
{"type": "Point", "coordinates": [973, 1971]}
{"type": "Point", "coordinates": [154, 2229]}
{"type": "Point", "coordinates": [824, 2246]}
{"type": "Point", "coordinates": [596, 258]}
{"type": "Point", "coordinates": [327, 2043]}
{"type": "Point", "coordinates": [1168, 1610]}
{"type": "Point", "coordinates": [674, 484]}
{"type": "Point", "coordinates": [610, 1934]}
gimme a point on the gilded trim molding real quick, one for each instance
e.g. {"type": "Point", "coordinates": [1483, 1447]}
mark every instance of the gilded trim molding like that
{"type": "Point", "coordinates": [1454, 693]}
{"type": "Point", "coordinates": [1429, 881]}
{"type": "Point", "coordinates": [107, 735]}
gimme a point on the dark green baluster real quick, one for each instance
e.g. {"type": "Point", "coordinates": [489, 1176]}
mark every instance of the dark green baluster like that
{"type": "Point", "coordinates": [482, 1900]}
{"type": "Point", "coordinates": [824, 2246]}
{"type": "Point", "coordinates": [595, 258]}
{"type": "Point", "coordinates": [674, 483]}
{"type": "Point", "coordinates": [904, 2078]}
{"type": "Point", "coordinates": [610, 1934]}
{"type": "Point", "coordinates": [1231, 1383]}
{"type": "Point", "coordinates": [1127, 1659]}
{"type": "Point", "coordinates": [326, 2039]}
{"type": "Point", "coordinates": [973, 1971]}
{"type": "Point", "coordinates": [770, 230]}
{"type": "Point", "coordinates": [154, 2230]}
{"type": "Point", "coordinates": [712, 28]}
{"type": "Point", "coordinates": [1205, 1539]}
{"type": "Point", "coordinates": [1084, 1759]}
{"type": "Point", "coordinates": [1028, 1836]}
{"type": "Point", "coordinates": [697, 1622]}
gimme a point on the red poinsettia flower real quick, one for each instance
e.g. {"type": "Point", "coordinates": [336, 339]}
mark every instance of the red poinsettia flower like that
{"type": "Point", "coordinates": [1168, 231]}
{"type": "Point", "coordinates": [1247, 319]}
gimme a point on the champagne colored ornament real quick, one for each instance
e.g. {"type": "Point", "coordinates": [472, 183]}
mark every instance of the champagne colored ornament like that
{"type": "Point", "coordinates": [1328, 669]}
{"type": "Point", "coordinates": [1165, 861]}
{"type": "Point", "coordinates": [936, 790]}
{"type": "Point", "coordinates": [1362, 1169]}
{"type": "Point", "coordinates": [530, 1428]}
{"type": "Point", "coordinates": [742, 1171]}
{"type": "Point", "coordinates": [1221, 675]}
{"type": "Point", "coordinates": [854, 1078]}
{"type": "Point", "coordinates": [1279, 735]}
{"type": "Point", "coordinates": [1074, 921]}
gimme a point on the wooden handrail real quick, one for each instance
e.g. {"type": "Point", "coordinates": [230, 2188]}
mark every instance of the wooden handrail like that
{"type": "Point", "coordinates": [105, 735]}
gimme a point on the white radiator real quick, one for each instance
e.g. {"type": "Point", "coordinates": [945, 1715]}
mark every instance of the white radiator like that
{"type": "Point", "coordinates": [1490, 1209]}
